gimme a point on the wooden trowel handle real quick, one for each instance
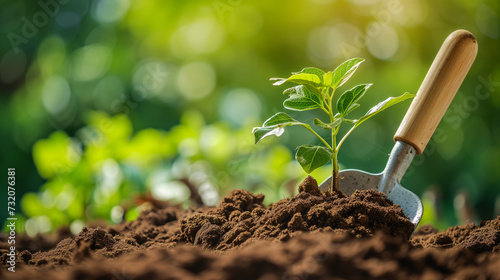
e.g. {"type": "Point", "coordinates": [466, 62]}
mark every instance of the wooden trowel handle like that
{"type": "Point", "coordinates": [440, 85]}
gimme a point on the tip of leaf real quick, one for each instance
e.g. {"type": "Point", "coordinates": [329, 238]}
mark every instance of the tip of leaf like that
{"type": "Point", "coordinates": [279, 82]}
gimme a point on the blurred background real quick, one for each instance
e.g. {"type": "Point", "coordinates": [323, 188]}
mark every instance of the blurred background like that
{"type": "Point", "coordinates": [110, 107]}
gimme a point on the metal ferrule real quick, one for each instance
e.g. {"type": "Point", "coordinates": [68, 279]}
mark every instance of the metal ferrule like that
{"type": "Point", "coordinates": [399, 160]}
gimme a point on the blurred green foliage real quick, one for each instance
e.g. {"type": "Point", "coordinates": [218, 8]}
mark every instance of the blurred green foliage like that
{"type": "Point", "coordinates": [108, 172]}
{"type": "Point", "coordinates": [71, 69]}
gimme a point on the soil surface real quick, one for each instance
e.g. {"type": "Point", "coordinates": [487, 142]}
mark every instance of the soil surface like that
{"type": "Point", "coordinates": [312, 235]}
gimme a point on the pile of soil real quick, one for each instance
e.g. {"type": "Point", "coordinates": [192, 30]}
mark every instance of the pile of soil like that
{"type": "Point", "coordinates": [312, 235]}
{"type": "Point", "coordinates": [484, 237]}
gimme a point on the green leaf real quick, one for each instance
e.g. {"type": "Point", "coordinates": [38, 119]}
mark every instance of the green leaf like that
{"type": "Point", "coordinates": [280, 119]}
{"type": "Point", "coordinates": [301, 79]}
{"type": "Point", "coordinates": [311, 157]}
{"type": "Point", "coordinates": [389, 102]}
{"type": "Point", "coordinates": [351, 108]}
{"type": "Point", "coordinates": [303, 98]}
{"type": "Point", "coordinates": [303, 90]}
{"type": "Point", "coordinates": [313, 70]}
{"type": "Point", "coordinates": [344, 71]}
{"type": "Point", "coordinates": [327, 78]}
{"type": "Point", "coordinates": [334, 124]}
{"type": "Point", "coordinates": [262, 132]}
{"type": "Point", "coordinates": [321, 124]}
{"type": "Point", "coordinates": [280, 81]}
{"type": "Point", "coordinates": [351, 97]}
{"type": "Point", "coordinates": [274, 126]}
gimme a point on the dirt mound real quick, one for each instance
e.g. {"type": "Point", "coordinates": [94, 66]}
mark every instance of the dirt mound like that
{"type": "Point", "coordinates": [241, 217]}
{"type": "Point", "coordinates": [484, 237]}
{"type": "Point", "coordinates": [38, 243]}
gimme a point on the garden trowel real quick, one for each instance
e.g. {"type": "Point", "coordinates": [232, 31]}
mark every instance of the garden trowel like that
{"type": "Point", "coordinates": [426, 110]}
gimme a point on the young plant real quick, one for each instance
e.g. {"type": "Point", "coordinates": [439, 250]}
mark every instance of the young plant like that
{"type": "Point", "coordinates": [315, 90]}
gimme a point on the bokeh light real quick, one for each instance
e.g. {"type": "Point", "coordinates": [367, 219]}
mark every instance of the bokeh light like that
{"type": "Point", "coordinates": [487, 21]}
{"type": "Point", "coordinates": [382, 40]}
{"type": "Point", "coordinates": [91, 62]}
{"type": "Point", "coordinates": [239, 105]}
{"type": "Point", "coordinates": [196, 80]}
{"type": "Point", "coordinates": [109, 11]}
{"type": "Point", "coordinates": [56, 95]}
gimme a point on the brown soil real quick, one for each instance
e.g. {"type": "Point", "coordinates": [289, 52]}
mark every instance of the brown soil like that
{"type": "Point", "coordinates": [312, 235]}
{"type": "Point", "coordinates": [481, 238]}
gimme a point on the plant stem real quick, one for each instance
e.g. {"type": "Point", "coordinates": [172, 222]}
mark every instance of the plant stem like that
{"type": "Point", "coordinates": [345, 136]}
{"type": "Point", "coordinates": [325, 110]}
{"type": "Point", "coordinates": [330, 110]}
{"type": "Point", "coordinates": [325, 103]}
{"type": "Point", "coordinates": [335, 172]}
{"type": "Point", "coordinates": [335, 166]}
{"type": "Point", "coordinates": [317, 135]}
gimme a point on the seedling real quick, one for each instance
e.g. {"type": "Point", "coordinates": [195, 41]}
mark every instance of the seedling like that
{"type": "Point", "coordinates": [315, 90]}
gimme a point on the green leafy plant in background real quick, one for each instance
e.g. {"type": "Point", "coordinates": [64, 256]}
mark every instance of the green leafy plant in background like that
{"type": "Point", "coordinates": [315, 90]}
